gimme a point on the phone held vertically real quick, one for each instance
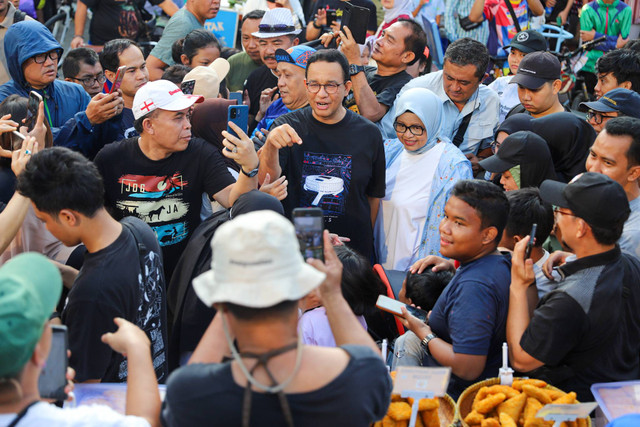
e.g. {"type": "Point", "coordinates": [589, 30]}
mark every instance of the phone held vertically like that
{"type": "Point", "coordinates": [53, 378]}
{"type": "Point", "coordinates": [394, 307]}
{"type": "Point", "coordinates": [239, 115]}
{"type": "Point", "coordinates": [237, 96]}
{"type": "Point", "coordinates": [532, 239]}
{"type": "Point", "coordinates": [32, 110]}
{"type": "Point", "coordinates": [356, 18]}
{"type": "Point", "coordinates": [117, 81]}
{"type": "Point", "coordinates": [187, 87]}
{"type": "Point", "coordinates": [309, 225]}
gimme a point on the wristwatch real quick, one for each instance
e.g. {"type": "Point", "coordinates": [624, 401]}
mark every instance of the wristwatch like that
{"type": "Point", "coordinates": [316, 26]}
{"type": "Point", "coordinates": [252, 173]}
{"type": "Point", "coordinates": [425, 342]}
{"type": "Point", "coordinates": [355, 69]}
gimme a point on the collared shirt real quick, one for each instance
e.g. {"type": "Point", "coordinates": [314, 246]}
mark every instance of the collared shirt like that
{"type": "Point", "coordinates": [456, 9]}
{"type": "Point", "coordinates": [4, 25]}
{"type": "Point", "coordinates": [484, 103]}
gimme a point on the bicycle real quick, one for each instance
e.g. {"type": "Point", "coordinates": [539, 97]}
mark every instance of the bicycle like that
{"type": "Point", "coordinates": [60, 23]}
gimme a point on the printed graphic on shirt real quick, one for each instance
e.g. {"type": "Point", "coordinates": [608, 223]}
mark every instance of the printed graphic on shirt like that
{"type": "Point", "coordinates": [325, 181]}
{"type": "Point", "coordinates": [157, 200]}
{"type": "Point", "coordinates": [128, 24]}
{"type": "Point", "coordinates": [148, 316]}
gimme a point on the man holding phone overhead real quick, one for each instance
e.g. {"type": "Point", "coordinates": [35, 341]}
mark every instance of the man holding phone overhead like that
{"type": "Point", "coordinates": [587, 330]}
{"type": "Point", "coordinates": [161, 175]}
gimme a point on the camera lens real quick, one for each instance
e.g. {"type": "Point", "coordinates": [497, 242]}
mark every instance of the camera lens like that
{"type": "Point", "coordinates": [233, 114]}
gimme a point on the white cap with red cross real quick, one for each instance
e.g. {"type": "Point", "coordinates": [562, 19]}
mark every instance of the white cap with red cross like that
{"type": "Point", "coordinates": [161, 94]}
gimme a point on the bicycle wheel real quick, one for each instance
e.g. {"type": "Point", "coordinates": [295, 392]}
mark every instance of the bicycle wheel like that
{"type": "Point", "coordinates": [52, 21]}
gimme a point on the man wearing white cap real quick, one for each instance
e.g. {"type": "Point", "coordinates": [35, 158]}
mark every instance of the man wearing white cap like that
{"type": "Point", "coordinates": [160, 176]}
{"type": "Point", "coordinates": [276, 31]}
{"type": "Point", "coordinates": [257, 277]}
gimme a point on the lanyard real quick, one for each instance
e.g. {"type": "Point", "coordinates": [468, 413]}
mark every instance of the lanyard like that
{"type": "Point", "coordinates": [46, 108]}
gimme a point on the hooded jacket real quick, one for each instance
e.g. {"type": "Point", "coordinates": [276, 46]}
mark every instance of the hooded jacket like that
{"type": "Point", "coordinates": [64, 101]}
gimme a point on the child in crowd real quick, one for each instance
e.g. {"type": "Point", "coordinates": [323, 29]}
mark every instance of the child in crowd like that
{"type": "Point", "coordinates": [423, 290]}
{"type": "Point", "coordinates": [524, 42]}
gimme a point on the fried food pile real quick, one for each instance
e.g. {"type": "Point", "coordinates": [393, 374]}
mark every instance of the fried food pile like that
{"type": "Point", "coordinates": [399, 412]}
{"type": "Point", "coordinates": [516, 406]}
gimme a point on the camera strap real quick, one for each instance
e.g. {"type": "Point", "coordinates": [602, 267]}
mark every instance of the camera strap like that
{"type": "Point", "coordinates": [22, 413]}
{"type": "Point", "coordinates": [513, 15]}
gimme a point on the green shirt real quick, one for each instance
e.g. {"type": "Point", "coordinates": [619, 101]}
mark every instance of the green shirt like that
{"type": "Point", "coordinates": [611, 20]}
{"type": "Point", "coordinates": [241, 65]}
{"type": "Point", "coordinates": [181, 23]}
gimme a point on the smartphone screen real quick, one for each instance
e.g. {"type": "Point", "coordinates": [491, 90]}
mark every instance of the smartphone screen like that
{"type": "Point", "coordinates": [32, 110]}
{"type": "Point", "coordinates": [53, 377]}
{"type": "Point", "coordinates": [238, 114]}
{"type": "Point", "coordinates": [117, 81]}
{"type": "Point", "coordinates": [309, 225]}
{"type": "Point", "coordinates": [188, 86]}
{"type": "Point", "coordinates": [394, 307]}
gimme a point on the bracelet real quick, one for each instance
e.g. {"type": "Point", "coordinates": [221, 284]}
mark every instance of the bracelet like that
{"type": "Point", "coordinates": [317, 27]}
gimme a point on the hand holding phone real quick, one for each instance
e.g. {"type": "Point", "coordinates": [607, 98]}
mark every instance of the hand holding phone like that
{"type": "Point", "coordinates": [395, 307]}
{"type": "Point", "coordinates": [530, 243]}
{"type": "Point", "coordinates": [309, 225]}
{"type": "Point", "coordinates": [117, 81]}
{"type": "Point", "coordinates": [32, 110]}
{"type": "Point", "coordinates": [53, 378]}
{"type": "Point", "coordinates": [238, 114]}
{"type": "Point", "coordinates": [188, 86]}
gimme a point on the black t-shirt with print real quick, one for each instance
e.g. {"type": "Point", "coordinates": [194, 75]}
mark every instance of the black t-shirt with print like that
{"type": "Point", "coordinates": [336, 168]}
{"type": "Point", "coordinates": [167, 193]}
{"type": "Point", "coordinates": [110, 285]}
{"type": "Point", "coordinates": [384, 87]}
{"type": "Point", "coordinates": [115, 19]}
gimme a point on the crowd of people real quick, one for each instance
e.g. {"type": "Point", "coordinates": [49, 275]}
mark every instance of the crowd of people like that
{"type": "Point", "coordinates": [159, 233]}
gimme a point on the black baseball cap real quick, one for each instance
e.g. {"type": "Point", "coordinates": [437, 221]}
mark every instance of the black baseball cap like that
{"type": "Point", "coordinates": [516, 149]}
{"type": "Point", "coordinates": [536, 69]}
{"type": "Point", "coordinates": [622, 100]}
{"type": "Point", "coordinates": [528, 41]}
{"type": "Point", "coordinates": [594, 197]}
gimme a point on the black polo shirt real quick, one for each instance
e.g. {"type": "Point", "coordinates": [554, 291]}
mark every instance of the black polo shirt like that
{"type": "Point", "coordinates": [588, 329]}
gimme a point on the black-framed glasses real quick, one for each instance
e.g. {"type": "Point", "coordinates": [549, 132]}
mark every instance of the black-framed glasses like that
{"type": "Point", "coordinates": [495, 146]}
{"type": "Point", "coordinates": [88, 81]}
{"type": "Point", "coordinates": [41, 58]}
{"type": "Point", "coordinates": [597, 117]}
{"type": "Point", "coordinates": [414, 129]}
{"type": "Point", "coordinates": [277, 28]}
{"type": "Point", "coordinates": [330, 88]}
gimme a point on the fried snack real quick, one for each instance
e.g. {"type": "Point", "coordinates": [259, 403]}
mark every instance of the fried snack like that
{"type": "Point", "coordinates": [530, 411]}
{"type": "Point", "coordinates": [474, 418]}
{"type": "Point", "coordinates": [537, 393]}
{"type": "Point", "coordinates": [487, 404]}
{"type": "Point", "coordinates": [403, 423]}
{"type": "Point", "coordinates": [399, 411]}
{"type": "Point", "coordinates": [566, 399]}
{"type": "Point", "coordinates": [554, 394]}
{"type": "Point", "coordinates": [377, 424]}
{"type": "Point", "coordinates": [514, 406]}
{"type": "Point", "coordinates": [568, 424]}
{"type": "Point", "coordinates": [387, 421]}
{"type": "Point", "coordinates": [508, 391]}
{"type": "Point", "coordinates": [517, 384]}
{"type": "Point", "coordinates": [430, 418]}
{"type": "Point", "coordinates": [425, 404]}
{"type": "Point", "coordinates": [581, 422]}
{"type": "Point", "coordinates": [506, 420]}
{"type": "Point", "coordinates": [393, 375]}
{"type": "Point", "coordinates": [490, 422]}
{"type": "Point", "coordinates": [396, 398]}
{"type": "Point", "coordinates": [481, 394]}
{"type": "Point", "coordinates": [419, 422]}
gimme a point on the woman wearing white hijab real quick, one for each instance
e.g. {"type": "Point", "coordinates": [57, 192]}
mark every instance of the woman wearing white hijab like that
{"type": "Point", "coordinates": [422, 168]}
{"type": "Point", "coordinates": [394, 10]}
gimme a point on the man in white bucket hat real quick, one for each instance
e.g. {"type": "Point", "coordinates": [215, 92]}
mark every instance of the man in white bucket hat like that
{"type": "Point", "coordinates": [257, 275]}
{"type": "Point", "coordinates": [276, 31]}
{"type": "Point", "coordinates": [160, 177]}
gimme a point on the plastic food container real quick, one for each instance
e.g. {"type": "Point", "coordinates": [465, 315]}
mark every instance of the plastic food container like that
{"type": "Point", "coordinates": [615, 400]}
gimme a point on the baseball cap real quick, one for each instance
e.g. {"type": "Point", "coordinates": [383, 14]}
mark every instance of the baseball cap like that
{"type": "Point", "coordinates": [298, 55]}
{"type": "Point", "coordinates": [208, 78]}
{"type": "Point", "coordinates": [256, 263]}
{"type": "Point", "coordinates": [516, 149]}
{"type": "Point", "coordinates": [528, 41]}
{"type": "Point", "coordinates": [622, 100]}
{"type": "Point", "coordinates": [30, 286]}
{"type": "Point", "coordinates": [536, 69]}
{"type": "Point", "coordinates": [275, 23]}
{"type": "Point", "coordinates": [594, 197]}
{"type": "Point", "coordinates": [161, 94]}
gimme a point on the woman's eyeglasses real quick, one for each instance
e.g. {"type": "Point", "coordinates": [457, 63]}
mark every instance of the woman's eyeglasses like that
{"type": "Point", "coordinates": [414, 129]}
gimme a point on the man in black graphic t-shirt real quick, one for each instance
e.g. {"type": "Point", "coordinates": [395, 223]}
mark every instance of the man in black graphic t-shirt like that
{"type": "Point", "coordinates": [160, 177]}
{"type": "Point", "coordinates": [332, 158]}
{"type": "Point", "coordinates": [121, 275]}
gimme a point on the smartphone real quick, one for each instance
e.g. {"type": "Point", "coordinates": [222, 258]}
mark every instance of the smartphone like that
{"type": "Point", "coordinates": [117, 81]}
{"type": "Point", "coordinates": [53, 378]}
{"type": "Point", "coordinates": [393, 306]}
{"type": "Point", "coordinates": [331, 16]}
{"type": "Point", "coordinates": [532, 238]}
{"type": "Point", "coordinates": [16, 140]}
{"type": "Point", "coordinates": [32, 110]}
{"type": "Point", "coordinates": [237, 96]}
{"type": "Point", "coordinates": [238, 114]}
{"type": "Point", "coordinates": [309, 225]}
{"type": "Point", "coordinates": [357, 19]}
{"type": "Point", "coordinates": [188, 86]}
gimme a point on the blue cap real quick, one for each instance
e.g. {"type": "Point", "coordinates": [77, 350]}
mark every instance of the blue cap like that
{"type": "Point", "coordinates": [624, 101]}
{"type": "Point", "coordinates": [298, 55]}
